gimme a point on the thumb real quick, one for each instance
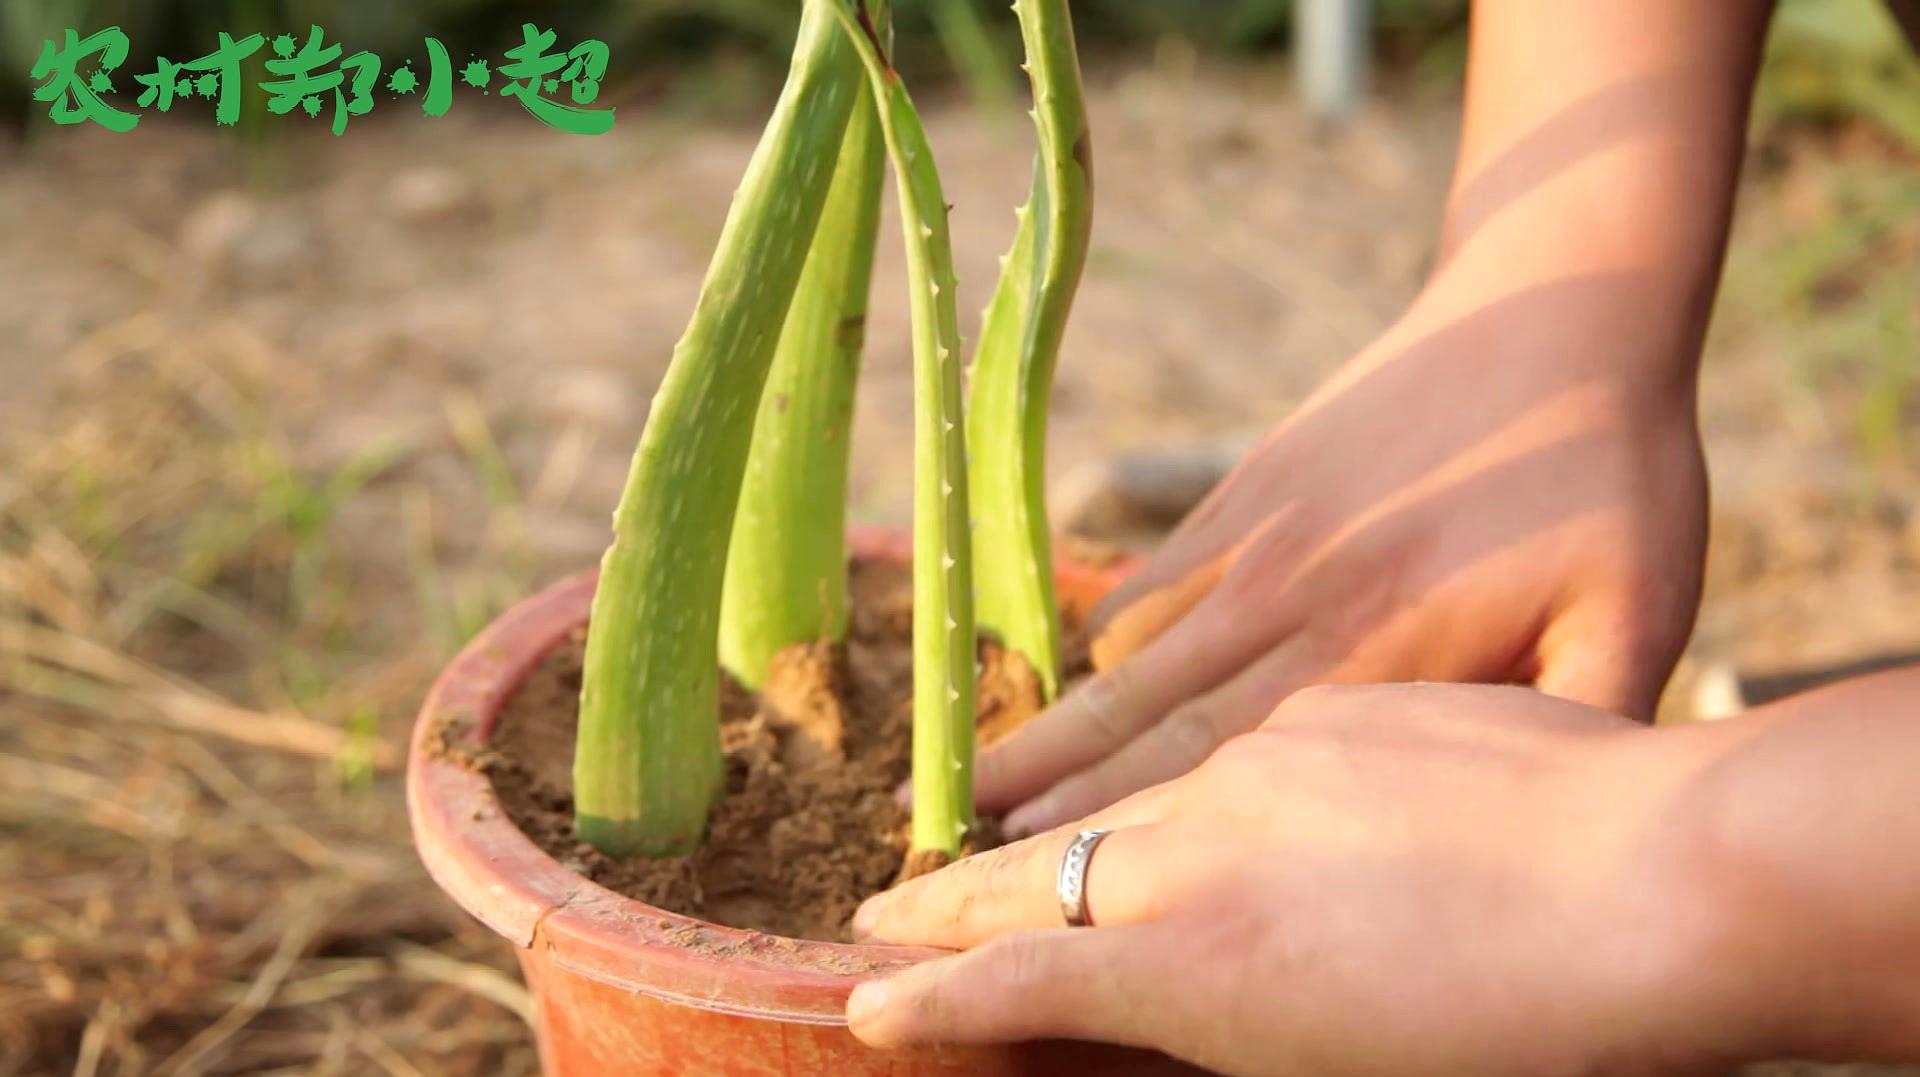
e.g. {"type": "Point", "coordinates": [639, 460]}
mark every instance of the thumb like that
{"type": "Point", "coordinates": [1606, 656]}
{"type": "Point", "coordinates": [1074, 983]}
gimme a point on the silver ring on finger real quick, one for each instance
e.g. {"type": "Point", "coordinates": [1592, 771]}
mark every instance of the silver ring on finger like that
{"type": "Point", "coordinates": [1072, 881]}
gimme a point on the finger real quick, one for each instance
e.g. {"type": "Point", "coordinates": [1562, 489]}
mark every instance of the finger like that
{"type": "Point", "coordinates": [1142, 621]}
{"type": "Point", "coordinates": [1013, 888]}
{"type": "Point", "coordinates": [1113, 707]}
{"type": "Point", "coordinates": [1215, 529]}
{"type": "Point", "coordinates": [1238, 620]}
{"type": "Point", "coordinates": [1606, 657]}
{"type": "Point", "coordinates": [1092, 984]}
{"type": "Point", "coordinates": [1180, 742]}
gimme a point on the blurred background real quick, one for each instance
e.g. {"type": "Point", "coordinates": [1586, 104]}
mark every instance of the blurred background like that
{"type": "Point", "coordinates": [285, 418]}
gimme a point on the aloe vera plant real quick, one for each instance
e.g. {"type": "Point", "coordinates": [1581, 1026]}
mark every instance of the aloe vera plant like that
{"type": "Point", "coordinates": [729, 539]}
{"type": "Point", "coordinates": [943, 632]}
{"type": "Point", "coordinates": [647, 764]}
{"type": "Point", "coordinates": [1018, 350]}
{"type": "Point", "coordinates": [786, 579]}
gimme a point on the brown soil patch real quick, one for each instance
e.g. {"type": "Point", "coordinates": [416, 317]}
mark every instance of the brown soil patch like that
{"type": "Point", "coordinates": [809, 825]}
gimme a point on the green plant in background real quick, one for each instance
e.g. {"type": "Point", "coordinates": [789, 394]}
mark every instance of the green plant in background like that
{"type": "Point", "coordinates": [647, 766]}
{"type": "Point", "coordinates": [970, 47]}
{"type": "Point", "coordinates": [1828, 286]}
{"type": "Point", "coordinates": [1019, 346]}
{"type": "Point", "coordinates": [1830, 58]}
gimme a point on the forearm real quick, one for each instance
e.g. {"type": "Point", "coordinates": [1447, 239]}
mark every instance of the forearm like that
{"type": "Point", "coordinates": [1599, 154]}
{"type": "Point", "coordinates": [1807, 826]}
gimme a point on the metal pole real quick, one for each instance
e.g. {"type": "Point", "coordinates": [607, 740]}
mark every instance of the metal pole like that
{"type": "Point", "coordinates": [1330, 45]}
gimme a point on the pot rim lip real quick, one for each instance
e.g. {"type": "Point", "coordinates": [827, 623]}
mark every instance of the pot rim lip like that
{"type": "Point", "coordinates": [476, 854]}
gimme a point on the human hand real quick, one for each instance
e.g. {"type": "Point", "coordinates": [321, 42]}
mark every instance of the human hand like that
{"type": "Point", "coordinates": [1507, 485]}
{"type": "Point", "coordinates": [1409, 878]}
{"type": "Point", "coordinates": [1491, 493]}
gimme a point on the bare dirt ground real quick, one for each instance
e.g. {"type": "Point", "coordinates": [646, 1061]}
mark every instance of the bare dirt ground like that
{"type": "Point", "coordinates": [278, 429]}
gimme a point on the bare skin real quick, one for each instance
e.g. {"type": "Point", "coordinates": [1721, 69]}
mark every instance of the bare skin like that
{"type": "Point", "coordinates": [1507, 486]}
{"type": "Point", "coordinates": [1460, 879]}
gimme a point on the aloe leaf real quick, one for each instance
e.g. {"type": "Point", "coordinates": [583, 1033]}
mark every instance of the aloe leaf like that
{"type": "Point", "coordinates": [943, 639]}
{"type": "Point", "coordinates": [647, 766]}
{"type": "Point", "coordinates": [1018, 350]}
{"type": "Point", "coordinates": [786, 578]}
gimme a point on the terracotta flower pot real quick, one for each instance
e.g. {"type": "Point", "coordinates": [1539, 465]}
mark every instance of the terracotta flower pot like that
{"type": "Point", "coordinates": [621, 987]}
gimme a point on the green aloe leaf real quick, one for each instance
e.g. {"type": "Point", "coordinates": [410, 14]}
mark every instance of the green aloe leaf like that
{"type": "Point", "coordinates": [1018, 350]}
{"type": "Point", "coordinates": [787, 565]}
{"type": "Point", "coordinates": [647, 766]}
{"type": "Point", "coordinates": [943, 637]}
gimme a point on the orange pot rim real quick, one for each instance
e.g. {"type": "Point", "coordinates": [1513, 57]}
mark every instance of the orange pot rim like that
{"type": "Point", "coordinates": [497, 874]}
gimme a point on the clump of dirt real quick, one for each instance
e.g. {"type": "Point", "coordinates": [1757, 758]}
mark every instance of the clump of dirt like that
{"type": "Point", "coordinates": [809, 825]}
{"type": "Point", "coordinates": [1008, 694]}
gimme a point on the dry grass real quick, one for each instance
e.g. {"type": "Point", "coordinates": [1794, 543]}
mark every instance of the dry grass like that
{"type": "Point", "coordinates": [196, 884]}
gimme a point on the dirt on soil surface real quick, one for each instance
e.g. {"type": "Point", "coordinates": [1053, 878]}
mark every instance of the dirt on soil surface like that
{"type": "Point", "coordinates": [809, 825]}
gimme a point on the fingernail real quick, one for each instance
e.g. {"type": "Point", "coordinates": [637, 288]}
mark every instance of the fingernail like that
{"type": "Point", "coordinates": [1028, 819]}
{"type": "Point", "coordinates": [866, 1002]}
{"type": "Point", "coordinates": [866, 916]}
